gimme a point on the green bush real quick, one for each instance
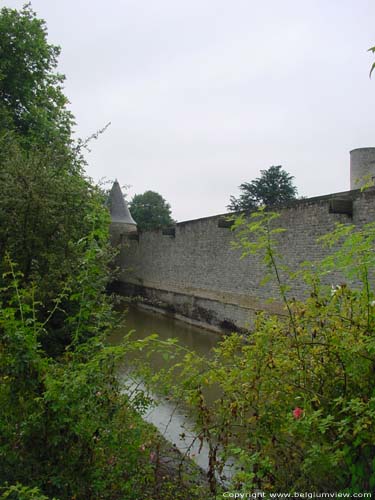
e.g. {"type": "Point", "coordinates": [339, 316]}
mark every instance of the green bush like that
{"type": "Point", "coordinates": [49, 209]}
{"type": "Point", "coordinates": [297, 395]}
{"type": "Point", "coordinates": [20, 492]}
{"type": "Point", "coordinates": [65, 426]}
{"type": "Point", "coordinates": [67, 429]}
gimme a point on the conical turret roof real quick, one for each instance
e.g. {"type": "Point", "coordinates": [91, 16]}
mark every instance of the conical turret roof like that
{"type": "Point", "coordinates": [118, 207]}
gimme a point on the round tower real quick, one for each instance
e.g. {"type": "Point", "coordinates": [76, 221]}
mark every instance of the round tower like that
{"type": "Point", "coordinates": [122, 223]}
{"type": "Point", "coordinates": [362, 167]}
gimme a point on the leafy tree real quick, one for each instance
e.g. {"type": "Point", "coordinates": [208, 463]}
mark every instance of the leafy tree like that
{"type": "Point", "coordinates": [63, 409]}
{"type": "Point", "coordinates": [46, 203]}
{"type": "Point", "coordinates": [43, 208]}
{"type": "Point", "coordinates": [274, 187]}
{"type": "Point", "coordinates": [32, 102]}
{"type": "Point", "coordinates": [150, 211]}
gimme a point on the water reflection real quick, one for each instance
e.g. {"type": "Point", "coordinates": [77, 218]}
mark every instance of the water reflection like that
{"type": "Point", "coordinates": [146, 322]}
{"type": "Point", "coordinates": [170, 419]}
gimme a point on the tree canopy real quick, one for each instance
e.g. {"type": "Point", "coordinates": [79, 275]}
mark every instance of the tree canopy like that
{"type": "Point", "coordinates": [32, 102]}
{"type": "Point", "coordinates": [64, 408]}
{"type": "Point", "coordinates": [274, 187]}
{"type": "Point", "coordinates": [150, 211]}
{"type": "Point", "coordinates": [47, 204]}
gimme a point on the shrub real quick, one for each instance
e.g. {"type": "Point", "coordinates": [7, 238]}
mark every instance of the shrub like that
{"type": "Point", "coordinates": [297, 395]}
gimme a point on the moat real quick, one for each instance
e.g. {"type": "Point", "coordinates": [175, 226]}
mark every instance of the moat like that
{"type": "Point", "coordinates": [171, 421]}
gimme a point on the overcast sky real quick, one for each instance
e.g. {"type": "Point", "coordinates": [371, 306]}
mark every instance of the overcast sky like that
{"type": "Point", "coordinates": [203, 94]}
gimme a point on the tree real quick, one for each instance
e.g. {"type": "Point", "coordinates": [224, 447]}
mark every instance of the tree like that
{"type": "Point", "coordinates": [47, 205]}
{"type": "Point", "coordinates": [32, 102]}
{"type": "Point", "coordinates": [150, 211]}
{"type": "Point", "coordinates": [64, 407]}
{"type": "Point", "coordinates": [274, 187]}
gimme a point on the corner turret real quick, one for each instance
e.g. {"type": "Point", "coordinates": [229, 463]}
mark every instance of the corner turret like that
{"type": "Point", "coordinates": [362, 167]}
{"type": "Point", "coordinates": [122, 223]}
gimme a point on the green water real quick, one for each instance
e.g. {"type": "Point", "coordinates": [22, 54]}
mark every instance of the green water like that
{"type": "Point", "coordinates": [146, 322]}
{"type": "Point", "coordinates": [170, 419]}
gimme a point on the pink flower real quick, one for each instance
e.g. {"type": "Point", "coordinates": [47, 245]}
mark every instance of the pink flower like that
{"type": "Point", "coordinates": [297, 413]}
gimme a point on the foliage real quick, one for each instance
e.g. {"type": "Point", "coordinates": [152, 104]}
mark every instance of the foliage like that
{"type": "Point", "coordinates": [150, 211]}
{"type": "Point", "coordinates": [48, 207]}
{"type": "Point", "coordinates": [31, 99]}
{"type": "Point", "coordinates": [43, 207]}
{"type": "Point", "coordinates": [274, 187]}
{"type": "Point", "coordinates": [51, 218]}
{"type": "Point", "coordinates": [66, 415]}
{"type": "Point", "coordinates": [296, 409]}
{"type": "Point", "coordinates": [372, 49]}
{"type": "Point", "coordinates": [69, 428]}
{"type": "Point", "coordinates": [20, 492]}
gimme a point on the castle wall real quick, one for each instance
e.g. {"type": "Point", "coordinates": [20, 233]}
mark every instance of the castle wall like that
{"type": "Point", "coordinates": [198, 275]}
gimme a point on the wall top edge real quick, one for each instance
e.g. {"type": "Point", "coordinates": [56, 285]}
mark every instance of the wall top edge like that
{"type": "Point", "coordinates": [366, 148]}
{"type": "Point", "coordinates": [347, 195]}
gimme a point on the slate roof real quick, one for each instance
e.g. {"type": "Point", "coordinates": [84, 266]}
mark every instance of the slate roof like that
{"type": "Point", "coordinates": [118, 207]}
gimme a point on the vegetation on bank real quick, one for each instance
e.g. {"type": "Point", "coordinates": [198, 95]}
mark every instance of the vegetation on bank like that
{"type": "Point", "coordinates": [296, 409]}
{"type": "Point", "coordinates": [67, 430]}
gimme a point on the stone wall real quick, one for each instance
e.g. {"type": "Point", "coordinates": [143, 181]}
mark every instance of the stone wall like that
{"type": "Point", "coordinates": [199, 276]}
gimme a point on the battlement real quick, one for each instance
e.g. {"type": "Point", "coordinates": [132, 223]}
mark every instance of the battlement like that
{"type": "Point", "coordinates": [192, 270]}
